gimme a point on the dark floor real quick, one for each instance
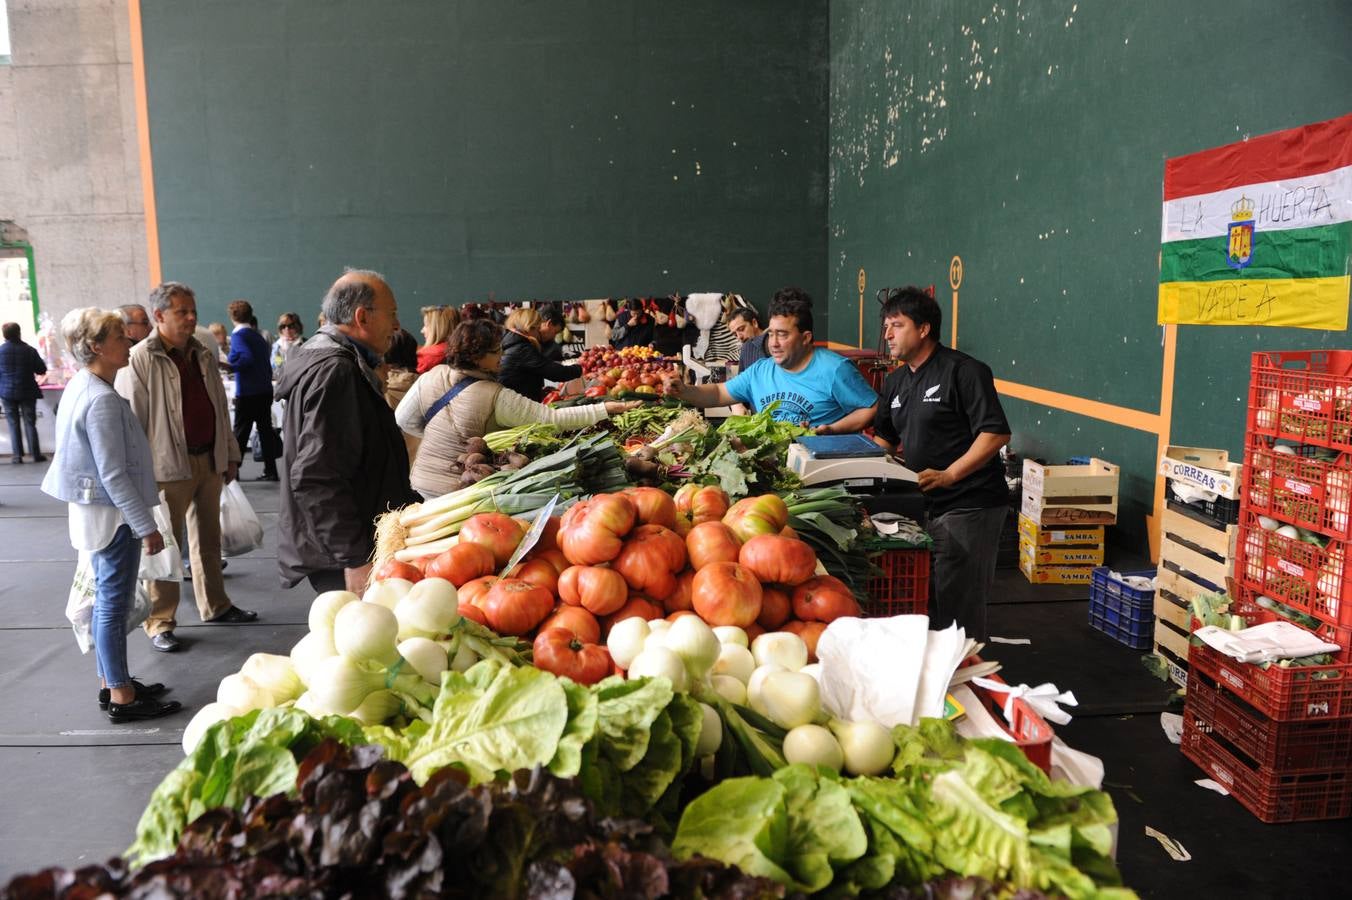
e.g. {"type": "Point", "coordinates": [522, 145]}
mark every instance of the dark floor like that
{"type": "Point", "coordinates": [75, 785]}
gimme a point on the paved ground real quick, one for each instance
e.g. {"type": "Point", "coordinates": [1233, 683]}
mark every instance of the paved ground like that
{"type": "Point", "coordinates": [74, 785]}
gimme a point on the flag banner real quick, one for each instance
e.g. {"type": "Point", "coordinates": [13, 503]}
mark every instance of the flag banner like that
{"type": "Point", "coordinates": [1259, 232]}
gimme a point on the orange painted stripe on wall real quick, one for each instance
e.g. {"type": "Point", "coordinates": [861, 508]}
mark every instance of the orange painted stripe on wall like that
{"type": "Point", "coordinates": [138, 79]}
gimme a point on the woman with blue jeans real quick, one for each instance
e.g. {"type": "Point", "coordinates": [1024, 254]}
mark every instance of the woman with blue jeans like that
{"type": "Point", "coordinates": [104, 471]}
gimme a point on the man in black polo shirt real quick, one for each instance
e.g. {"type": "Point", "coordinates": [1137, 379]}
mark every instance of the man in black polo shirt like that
{"type": "Point", "coordinates": [940, 411]}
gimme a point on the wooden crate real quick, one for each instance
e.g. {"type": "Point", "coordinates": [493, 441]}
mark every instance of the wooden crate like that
{"type": "Point", "coordinates": [1217, 541]}
{"type": "Point", "coordinates": [1030, 531]}
{"type": "Point", "coordinates": [1210, 470]}
{"type": "Point", "coordinates": [1056, 496]}
{"type": "Point", "coordinates": [1171, 639]}
{"type": "Point", "coordinates": [1174, 611]}
{"type": "Point", "coordinates": [1176, 666]}
{"type": "Point", "coordinates": [1083, 555]}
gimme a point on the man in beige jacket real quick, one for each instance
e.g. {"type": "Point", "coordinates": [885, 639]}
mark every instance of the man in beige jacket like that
{"type": "Point", "coordinates": [174, 388]}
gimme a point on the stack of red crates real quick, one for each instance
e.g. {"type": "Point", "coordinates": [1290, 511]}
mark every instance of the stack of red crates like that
{"type": "Point", "coordinates": [1280, 739]}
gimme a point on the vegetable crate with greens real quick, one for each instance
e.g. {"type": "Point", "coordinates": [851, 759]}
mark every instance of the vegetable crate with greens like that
{"type": "Point", "coordinates": [1278, 735]}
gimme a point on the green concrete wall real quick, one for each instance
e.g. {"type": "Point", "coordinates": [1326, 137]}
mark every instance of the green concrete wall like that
{"type": "Point", "coordinates": [1030, 139]}
{"type": "Point", "coordinates": [472, 149]}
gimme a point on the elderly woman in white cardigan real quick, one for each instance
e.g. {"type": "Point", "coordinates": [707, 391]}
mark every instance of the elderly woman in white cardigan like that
{"type": "Point", "coordinates": [453, 403]}
{"type": "Point", "coordinates": [104, 471]}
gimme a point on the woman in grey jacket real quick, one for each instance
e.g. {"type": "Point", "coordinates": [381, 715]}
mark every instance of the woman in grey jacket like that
{"type": "Point", "coordinates": [104, 471]}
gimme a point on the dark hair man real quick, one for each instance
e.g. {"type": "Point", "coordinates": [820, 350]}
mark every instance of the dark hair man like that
{"type": "Point", "coordinates": [551, 324]}
{"type": "Point", "coordinates": [812, 385]}
{"type": "Point", "coordinates": [174, 386]}
{"type": "Point", "coordinates": [746, 327]}
{"type": "Point", "coordinates": [20, 366]}
{"type": "Point", "coordinates": [343, 457]}
{"type": "Point", "coordinates": [250, 360]}
{"type": "Point", "coordinates": [940, 410]}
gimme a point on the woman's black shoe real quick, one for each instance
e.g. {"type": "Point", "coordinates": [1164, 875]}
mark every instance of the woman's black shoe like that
{"type": "Point", "coordinates": [141, 708]}
{"type": "Point", "coordinates": [142, 690]}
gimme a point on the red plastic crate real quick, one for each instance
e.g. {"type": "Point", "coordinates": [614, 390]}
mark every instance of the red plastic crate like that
{"type": "Point", "coordinates": [1305, 576]}
{"type": "Point", "coordinates": [903, 587]}
{"type": "Point", "coordinates": [1289, 746]}
{"type": "Point", "coordinates": [874, 366]}
{"type": "Point", "coordinates": [1313, 493]}
{"type": "Point", "coordinates": [1030, 731]}
{"type": "Point", "coordinates": [1296, 694]}
{"type": "Point", "coordinates": [1270, 794]}
{"type": "Point", "coordinates": [1303, 396]}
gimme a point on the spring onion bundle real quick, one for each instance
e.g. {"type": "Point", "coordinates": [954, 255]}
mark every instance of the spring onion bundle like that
{"type": "Point", "coordinates": [588, 465]}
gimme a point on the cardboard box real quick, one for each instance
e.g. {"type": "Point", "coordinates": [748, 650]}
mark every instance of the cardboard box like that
{"type": "Point", "coordinates": [1035, 534]}
{"type": "Point", "coordinates": [1086, 555]}
{"type": "Point", "coordinates": [1053, 574]}
{"type": "Point", "coordinates": [1210, 470]}
{"type": "Point", "coordinates": [1065, 496]}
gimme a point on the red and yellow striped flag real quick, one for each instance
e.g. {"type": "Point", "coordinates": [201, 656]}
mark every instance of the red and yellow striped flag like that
{"type": "Point", "coordinates": [1259, 232]}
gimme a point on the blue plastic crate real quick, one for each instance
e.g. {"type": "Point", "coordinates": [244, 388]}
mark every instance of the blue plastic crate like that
{"type": "Point", "coordinates": [1124, 613]}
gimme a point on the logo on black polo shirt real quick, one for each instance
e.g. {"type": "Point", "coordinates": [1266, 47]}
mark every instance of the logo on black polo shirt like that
{"type": "Point", "coordinates": [932, 395]}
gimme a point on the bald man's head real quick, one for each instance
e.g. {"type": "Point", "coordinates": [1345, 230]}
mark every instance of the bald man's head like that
{"type": "Point", "coordinates": [362, 306]}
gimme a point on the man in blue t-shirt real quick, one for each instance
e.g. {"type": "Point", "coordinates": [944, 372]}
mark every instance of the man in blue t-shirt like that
{"type": "Point", "coordinates": [813, 386]}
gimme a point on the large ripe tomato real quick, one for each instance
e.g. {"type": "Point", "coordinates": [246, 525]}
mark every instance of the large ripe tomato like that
{"type": "Point", "coordinates": [750, 516]}
{"type": "Point", "coordinates": [724, 593]}
{"type": "Point", "coordinates": [650, 559]}
{"type": "Point", "coordinates": [559, 651]}
{"type": "Point", "coordinates": [473, 613]}
{"type": "Point", "coordinates": [637, 605]}
{"type": "Point", "coordinates": [597, 590]}
{"type": "Point", "coordinates": [554, 556]}
{"type": "Point", "coordinates": [473, 592]}
{"type": "Point", "coordinates": [575, 619]}
{"type": "Point", "coordinates": [462, 564]}
{"type": "Point", "coordinates": [515, 607]}
{"type": "Point", "coordinates": [711, 542]}
{"type": "Point", "coordinates": [775, 607]}
{"type": "Point", "coordinates": [702, 502]}
{"type": "Point", "coordinates": [539, 572]}
{"type": "Point", "coordinates": [823, 598]}
{"type": "Point", "coordinates": [549, 538]}
{"type": "Point", "coordinates": [783, 560]}
{"type": "Point", "coordinates": [810, 632]}
{"type": "Point", "coordinates": [653, 505]}
{"type": "Point", "coordinates": [681, 599]}
{"type": "Point", "coordinates": [393, 568]}
{"type": "Point", "coordinates": [498, 532]}
{"type": "Point", "coordinates": [593, 531]}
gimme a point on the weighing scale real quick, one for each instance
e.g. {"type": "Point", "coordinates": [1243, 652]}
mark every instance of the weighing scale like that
{"type": "Point", "coordinates": [849, 460]}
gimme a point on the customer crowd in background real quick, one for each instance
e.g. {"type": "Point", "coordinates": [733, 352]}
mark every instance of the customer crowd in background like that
{"type": "Point", "coordinates": [366, 417]}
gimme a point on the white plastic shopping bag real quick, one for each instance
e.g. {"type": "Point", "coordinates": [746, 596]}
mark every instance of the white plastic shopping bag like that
{"type": "Point", "coordinates": [167, 565]}
{"type": "Point", "coordinates": [80, 602]}
{"type": "Point", "coordinates": [241, 532]}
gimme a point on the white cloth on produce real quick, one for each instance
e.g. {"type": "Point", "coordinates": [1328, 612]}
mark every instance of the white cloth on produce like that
{"type": "Point", "coordinates": [1265, 643]}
